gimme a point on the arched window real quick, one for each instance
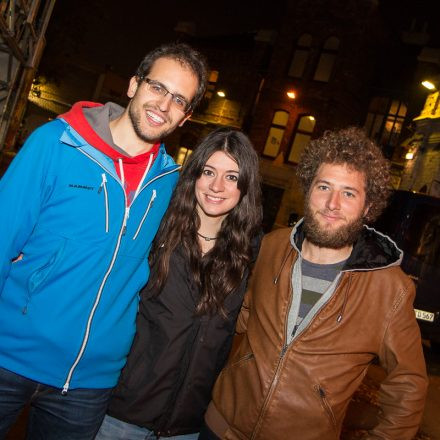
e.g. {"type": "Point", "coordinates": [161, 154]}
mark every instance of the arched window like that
{"type": "Point", "coordinates": [385, 120]}
{"type": "Point", "coordinates": [327, 60]}
{"type": "Point", "coordinates": [301, 137]}
{"type": "Point", "coordinates": [300, 56]}
{"type": "Point", "coordinates": [276, 133]}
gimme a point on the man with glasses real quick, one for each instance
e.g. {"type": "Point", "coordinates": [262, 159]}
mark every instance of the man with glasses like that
{"type": "Point", "coordinates": [81, 204]}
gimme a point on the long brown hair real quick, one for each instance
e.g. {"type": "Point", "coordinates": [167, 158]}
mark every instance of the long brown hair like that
{"type": "Point", "coordinates": [221, 270]}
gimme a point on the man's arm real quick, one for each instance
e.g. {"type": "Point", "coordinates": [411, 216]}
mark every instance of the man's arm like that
{"type": "Point", "coordinates": [402, 393]}
{"type": "Point", "coordinates": [244, 314]}
{"type": "Point", "coordinates": [21, 192]}
{"type": "Point", "coordinates": [245, 308]}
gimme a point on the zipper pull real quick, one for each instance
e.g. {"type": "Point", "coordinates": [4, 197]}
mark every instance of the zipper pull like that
{"type": "Point", "coordinates": [127, 214]}
{"type": "Point", "coordinates": [283, 351]}
{"type": "Point", "coordinates": [104, 180]}
{"type": "Point", "coordinates": [65, 389]}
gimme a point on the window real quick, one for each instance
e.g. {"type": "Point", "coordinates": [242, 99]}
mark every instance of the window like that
{"type": "Point", "coordinates": [301, 137]}
{"type": "Point", "coordinates": [276, 133]}
{"type": "Point", "coordinates": [327, 60]}
{"type": "Point", "coordinates": [212, 83]}
{"type": "Point", "coordinates": [182, 155]}
{"type": "Point", "coordinates": [385, 120]}
{"type": "Point", "coordinates": [301, 56]}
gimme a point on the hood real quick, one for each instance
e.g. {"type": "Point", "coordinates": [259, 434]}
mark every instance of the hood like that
{"type": "Point", "coordinates": [372, 250]}
{"type": "Point", "coordinates": [76, 118]}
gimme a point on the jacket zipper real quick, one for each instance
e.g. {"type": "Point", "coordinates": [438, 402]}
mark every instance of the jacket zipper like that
{"type": "Point", "coordinates": [124, 223]}
{"type": "Point", "coordinates": [103, 185]}
{"type": "Point", "coordinates": [95, 305]}
{"type": "Point", "coordinates": [104, 280]}
{"type": "Point", "coordinates": [153, 197]}
{"type": "Point", "coordinates": [150, 204]}
{"type": "Point", "coordinates": [152, 180]}
{"type": "Point", "coordinates": [323, 398]}
{"type": "Point", "coordinates": [283, 351]}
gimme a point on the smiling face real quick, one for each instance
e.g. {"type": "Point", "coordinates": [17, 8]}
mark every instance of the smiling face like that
{"type": "Point", "coordinates": [154, 117]}
{"type": "Point", "coordinates": [216, 189]}
{"type": "Point", "coordinates": [335, 206]}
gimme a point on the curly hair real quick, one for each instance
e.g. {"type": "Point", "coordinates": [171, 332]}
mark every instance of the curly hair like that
{"type": "Point", "coordinates": [350, 146]}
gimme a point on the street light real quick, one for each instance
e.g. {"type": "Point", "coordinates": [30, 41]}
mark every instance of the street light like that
{"type": "Point", "coordinates": [429, 85]}
{"type": "Point", "coordinates": [221, 93]}
{"type": "Point", "coordinates": [291, 94]}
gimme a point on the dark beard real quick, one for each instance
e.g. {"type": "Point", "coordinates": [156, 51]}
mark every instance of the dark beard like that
{"type": "Point", "coordinates": [343, 236]}
{"type": "Point", "coordinates": [135, 119]}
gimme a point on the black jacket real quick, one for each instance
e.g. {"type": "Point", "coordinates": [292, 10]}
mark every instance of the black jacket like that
{"type": "Point", "coordinates": [176, 356]}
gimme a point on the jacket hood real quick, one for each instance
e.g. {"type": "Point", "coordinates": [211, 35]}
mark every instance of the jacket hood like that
{"type": "Point", "coordinates": [76, 118]}
{"type": "Point", "coordinates": [373, 250]}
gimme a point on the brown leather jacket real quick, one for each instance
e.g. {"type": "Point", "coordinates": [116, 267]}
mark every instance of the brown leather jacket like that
{"type": "Point", "coordinates": [269, 390]}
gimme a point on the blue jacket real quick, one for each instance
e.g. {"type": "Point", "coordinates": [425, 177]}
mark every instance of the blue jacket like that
{"type": "Point", "coordinates": [68, 307]}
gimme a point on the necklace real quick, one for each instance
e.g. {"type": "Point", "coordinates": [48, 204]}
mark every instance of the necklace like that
{"type": "Point", "coordinates": [205, 237]}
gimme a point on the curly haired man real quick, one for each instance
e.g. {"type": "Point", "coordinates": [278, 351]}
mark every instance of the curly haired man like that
{"type": "Point", "coordinates": [326, 299]}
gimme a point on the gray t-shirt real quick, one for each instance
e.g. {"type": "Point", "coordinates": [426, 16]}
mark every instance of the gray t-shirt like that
{"type": "Point", "coordinates": [312, 285]}
{"type": "Point", "coordinates": [315, 280]}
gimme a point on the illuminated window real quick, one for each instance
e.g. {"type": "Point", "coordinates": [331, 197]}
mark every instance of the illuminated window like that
{"type": "Point", "coordinates": [212, 83]}
{"type": "Point", "coordinates": [276, 133]}
{"type": "Point", "coordinates": [182, 155]}
{"type": "Point", "coordinates": [327, 60]}
{"type": "Point", "coordinates": [385, 119]}
{"type": "Point", "coordinates": [301, 137]}
{"type": "Point", "coordinates": [301, 56]}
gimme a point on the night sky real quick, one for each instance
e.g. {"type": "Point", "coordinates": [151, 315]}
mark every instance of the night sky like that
{"type": "Point", "coordinates": [119, 33]}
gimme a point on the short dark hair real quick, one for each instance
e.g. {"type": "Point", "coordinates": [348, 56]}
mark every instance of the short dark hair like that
{"type": "Point", "coordinates": [187, 56]}
{"type": "Point", "coordinates": [350, 146]}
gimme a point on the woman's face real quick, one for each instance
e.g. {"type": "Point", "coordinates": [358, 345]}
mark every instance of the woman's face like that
{"type": "Point", "coordinates": [216, 189]}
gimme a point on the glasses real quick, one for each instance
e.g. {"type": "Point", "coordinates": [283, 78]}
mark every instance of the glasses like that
{"type": "Point", "coordinates": [158, 89]}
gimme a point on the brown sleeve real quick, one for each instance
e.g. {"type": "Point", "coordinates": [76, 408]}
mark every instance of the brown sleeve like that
{"type": "Point", "coordinates": [242, 319]}
{"type": "Point", "coordinates": [402, 393]}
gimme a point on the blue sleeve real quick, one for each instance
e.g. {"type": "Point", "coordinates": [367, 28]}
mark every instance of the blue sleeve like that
{"type": "Point", "coordinates": [22, 189]}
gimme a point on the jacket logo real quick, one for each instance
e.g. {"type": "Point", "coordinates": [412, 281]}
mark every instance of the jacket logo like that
{"type": "Point", "coordinates": [75, 185]}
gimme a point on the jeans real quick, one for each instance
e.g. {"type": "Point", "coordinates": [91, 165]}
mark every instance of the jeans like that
{"type": "Point", "coordinates": [207, 434]}
{"type": "Point", "coordinates": [52, 416]}
{"type": "Point", "coordinates": [114, 429]}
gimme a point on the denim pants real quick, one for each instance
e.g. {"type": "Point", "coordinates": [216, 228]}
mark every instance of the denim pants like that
{"type": "Point", "coordinates": [52, 416]}
{"type": "Point", "coordinates": [114, 429]}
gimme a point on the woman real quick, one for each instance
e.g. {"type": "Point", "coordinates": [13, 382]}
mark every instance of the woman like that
{"type": "Point", "coordinates": [200, 263]}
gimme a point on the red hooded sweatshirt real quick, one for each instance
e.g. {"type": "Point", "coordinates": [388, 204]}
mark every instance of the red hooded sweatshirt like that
{"type": "Point", "coordinates": [130, 170]}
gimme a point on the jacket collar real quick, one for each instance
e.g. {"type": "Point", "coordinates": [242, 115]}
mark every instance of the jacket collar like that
{"type": "Point", "coordinates": [71, 137]}
{"type": "Point", "coordinates": [373, 250]}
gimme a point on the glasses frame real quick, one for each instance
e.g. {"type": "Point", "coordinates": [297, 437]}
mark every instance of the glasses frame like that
{"type": "Point", "coordinates": [149, 82]}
